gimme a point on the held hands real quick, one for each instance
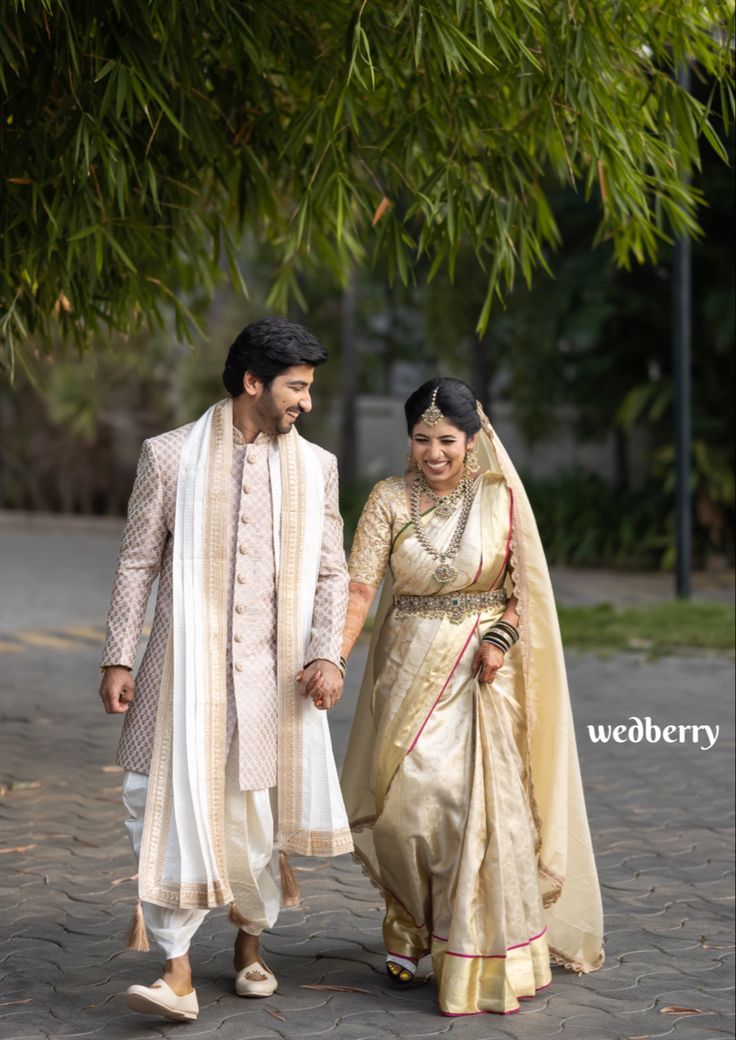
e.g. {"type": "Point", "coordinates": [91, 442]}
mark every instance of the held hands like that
{"type": "Point", "coordinates": [323, 682]}
{"type": "Point", "coordinates": [488, 659]}
{"type": "Point", "coordinates": [117, 689]}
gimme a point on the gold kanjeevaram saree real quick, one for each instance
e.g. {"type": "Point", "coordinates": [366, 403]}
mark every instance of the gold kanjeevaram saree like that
{"type": "Point", "coordinates": [442, 774]}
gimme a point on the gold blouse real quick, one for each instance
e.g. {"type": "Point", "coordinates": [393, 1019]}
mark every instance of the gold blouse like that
{"type": "Point", "coordinates": [383, 516]}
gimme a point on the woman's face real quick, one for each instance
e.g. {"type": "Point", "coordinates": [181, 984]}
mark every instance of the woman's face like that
{"type": "Point", "coordinates": [439, 452]}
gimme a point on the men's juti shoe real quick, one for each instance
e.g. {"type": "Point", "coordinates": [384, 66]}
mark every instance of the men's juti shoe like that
{"type": "Point", "coordinates": [160, 999]}
{"type": "Point", "coordinates": [256, 980]}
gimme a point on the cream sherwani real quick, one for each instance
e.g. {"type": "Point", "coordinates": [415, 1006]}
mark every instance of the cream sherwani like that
{"type": "Point", "coordinates": [252, 690]}
{"type": "Point", "coordinates": [146, 553]}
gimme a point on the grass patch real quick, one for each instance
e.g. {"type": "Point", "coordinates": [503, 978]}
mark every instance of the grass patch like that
{"type": "Point", "coordinates": [662, 628]}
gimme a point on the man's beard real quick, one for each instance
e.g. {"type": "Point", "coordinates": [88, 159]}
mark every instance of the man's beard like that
{"type": "Point", "coordinates": [274, 420]}
{"type": "Point", "coordinates": [283, 425]}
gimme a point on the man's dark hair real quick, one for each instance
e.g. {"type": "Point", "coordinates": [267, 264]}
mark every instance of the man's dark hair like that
{"type": "Point", "coordinates": [268, 347]}
{"type": "Point", "coordinates": [454, 399]}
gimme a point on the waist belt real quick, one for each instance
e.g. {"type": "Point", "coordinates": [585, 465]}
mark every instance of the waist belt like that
{"type": "Point", "coordinates": [453, 606]}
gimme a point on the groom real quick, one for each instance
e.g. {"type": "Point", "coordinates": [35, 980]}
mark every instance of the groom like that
{"type": "Point", "coordinates": [225, 763]}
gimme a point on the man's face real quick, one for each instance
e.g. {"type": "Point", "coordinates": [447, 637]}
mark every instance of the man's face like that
{"type": "Point", "coordinates": [280, 405]}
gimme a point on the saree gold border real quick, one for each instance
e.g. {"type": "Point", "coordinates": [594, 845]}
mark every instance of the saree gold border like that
{"type": "Point", "coordinates": [501, 979]}
{"type": "Point", "coordinates": [216, 563]}
{"type": "Point", "coordinates": [288, 640]}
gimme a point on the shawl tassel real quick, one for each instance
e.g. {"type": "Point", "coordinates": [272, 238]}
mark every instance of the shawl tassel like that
{"type": "Point", "coordinates": [136, 938]}
{"type": "Point", "coordinates": [289, 883]}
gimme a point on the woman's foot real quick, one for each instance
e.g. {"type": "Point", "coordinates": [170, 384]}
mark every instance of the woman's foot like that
{"type": "Point", "coordinates": [401, 970]}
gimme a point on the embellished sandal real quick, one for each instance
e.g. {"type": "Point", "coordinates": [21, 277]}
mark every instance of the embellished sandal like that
{"type": "Point", "coordinates": [401, 970]}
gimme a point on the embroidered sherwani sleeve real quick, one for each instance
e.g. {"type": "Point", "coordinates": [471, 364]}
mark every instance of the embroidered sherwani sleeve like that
{"type": "Point", "coordinates": [139, 562]}
{"type": "Point", "coordinates": [331, 596]}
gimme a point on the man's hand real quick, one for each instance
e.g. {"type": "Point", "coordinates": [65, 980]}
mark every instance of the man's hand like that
{"type": "Point", "coordinates": [322, 681]}
{"type": "Point", "coordinates": [117, 689]}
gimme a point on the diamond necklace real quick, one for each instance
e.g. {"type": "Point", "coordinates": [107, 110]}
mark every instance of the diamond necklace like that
{"type": "Point", "coordinates": [444, 571]}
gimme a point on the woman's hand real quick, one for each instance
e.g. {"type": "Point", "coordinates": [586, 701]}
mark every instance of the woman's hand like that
{"type": "Point", "coordinates": [323, 682]}
{"type": "Point", "coordinates": [488, 659]}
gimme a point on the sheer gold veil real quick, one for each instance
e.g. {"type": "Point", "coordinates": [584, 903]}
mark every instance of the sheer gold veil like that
{"type": "Point", "coordinates": [567, 872]}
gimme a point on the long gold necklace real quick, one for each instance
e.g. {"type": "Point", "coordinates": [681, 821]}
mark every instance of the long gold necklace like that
{"type": "Point", "coordinates": [444, 571]}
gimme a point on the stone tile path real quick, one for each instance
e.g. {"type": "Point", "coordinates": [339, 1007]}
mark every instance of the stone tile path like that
{"type": "Point", "coordinates": [661, 816]}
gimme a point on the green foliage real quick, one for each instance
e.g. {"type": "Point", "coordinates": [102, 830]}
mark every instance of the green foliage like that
{"type": "Point", "coordinates": [138, 139]}
{"type": "Point", "coordinates": [675, 627]}
{"type": "Point", "coordinates": [352, 499]}
{"type": "Point", "coordinates": [585, 522]}
{"type": "Point", "coordinates": [595, 342]}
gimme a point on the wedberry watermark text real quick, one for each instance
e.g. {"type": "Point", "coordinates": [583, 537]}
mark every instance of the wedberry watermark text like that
{"type": "Point", "coordinates": [636, 730]}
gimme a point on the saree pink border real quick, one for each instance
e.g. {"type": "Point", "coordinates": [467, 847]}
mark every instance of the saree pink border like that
{"type": "Point", "coordinates": [490, 956]}
{"type": "Point", "coordinates": [444, 687]}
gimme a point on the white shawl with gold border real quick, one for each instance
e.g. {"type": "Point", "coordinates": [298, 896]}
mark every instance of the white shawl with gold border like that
{"type": "Point", "coordinates": [182, 861]}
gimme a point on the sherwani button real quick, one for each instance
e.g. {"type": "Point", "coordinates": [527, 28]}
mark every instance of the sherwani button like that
{"type": "Point", "coordinates": [237, 638]}
{"type": "Point", "coordinates": [247, 488]}
{"type": "Point", "coordinates": [241, 579]}
{"type": "Point", "coordinates": [240, 609]}
{"type": "Point", "coordinates": [250, 459]}
{"type": "Point", "coordinates": [243, 549]}
{"type": "Point", "coordinates": [245, 518]}
{"type": "Point", "coordinates": [238, 666]}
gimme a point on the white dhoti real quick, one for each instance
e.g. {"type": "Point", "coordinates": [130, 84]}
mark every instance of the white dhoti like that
{"type": "Point", "coordinates": [249, 852]}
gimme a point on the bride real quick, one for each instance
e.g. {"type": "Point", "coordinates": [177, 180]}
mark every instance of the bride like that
{"type": "Point", "coordinates": [461, 777]}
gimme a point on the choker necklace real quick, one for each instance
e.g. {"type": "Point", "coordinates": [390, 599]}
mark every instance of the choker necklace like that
{"type": "Point", "coordinates": [445, 504]}
{"type": "Point", "coordinates": [444, 571]}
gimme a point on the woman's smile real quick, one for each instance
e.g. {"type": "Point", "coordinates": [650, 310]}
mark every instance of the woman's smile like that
{"type": "Point", "coordinates": [439, 452]}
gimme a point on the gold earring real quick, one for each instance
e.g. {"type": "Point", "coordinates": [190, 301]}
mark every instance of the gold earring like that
{"type": "Point", "coordinates": [472, 462]}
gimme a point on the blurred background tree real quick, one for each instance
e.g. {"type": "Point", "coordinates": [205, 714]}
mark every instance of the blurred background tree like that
{"type": "Point", "coordinates": [156, 159]}
{"type": "Point", "coordinates": [138, 140]}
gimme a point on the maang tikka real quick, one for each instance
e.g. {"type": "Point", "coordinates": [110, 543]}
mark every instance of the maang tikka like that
{"type": "Point", "coordinates": [432, 415]}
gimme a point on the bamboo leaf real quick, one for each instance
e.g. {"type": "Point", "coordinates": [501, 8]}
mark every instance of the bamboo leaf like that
{"type": "Point", "coordinates": [115, 245]}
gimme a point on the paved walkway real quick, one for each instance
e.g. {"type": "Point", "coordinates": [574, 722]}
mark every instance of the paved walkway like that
{"type": "Point", "coordinates": [661, 816]}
